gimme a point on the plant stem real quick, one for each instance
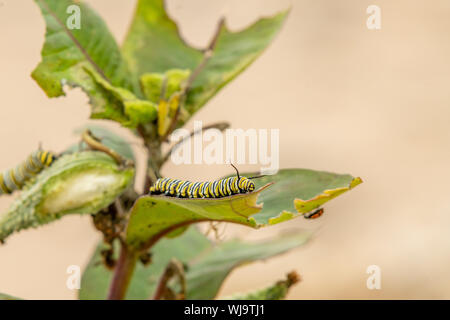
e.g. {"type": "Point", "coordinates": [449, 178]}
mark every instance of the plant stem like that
{"type": "Point", "coordinates": [122, 273]}
{"type": "Point", "coordinates": [207, 54]}
{"type": "Point", "coordinates": [95, 144]}
{"type": "Point", "coordinates": [153, 147]}
{"type": "Point", "coordinates": [174, 268]}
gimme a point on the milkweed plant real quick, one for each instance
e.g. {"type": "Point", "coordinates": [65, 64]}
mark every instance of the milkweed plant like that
{"type": "Point", "coordinates": [152, 85]}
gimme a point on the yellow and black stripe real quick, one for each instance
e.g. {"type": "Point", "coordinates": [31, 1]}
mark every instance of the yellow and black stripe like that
{"type": "Point", "coordinates": [15, 179]}
{"type": "Point", "coordinates": [212, 189]}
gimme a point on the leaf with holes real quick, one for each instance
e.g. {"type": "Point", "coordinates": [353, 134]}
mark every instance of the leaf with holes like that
{"type": "Point", "coordinates": [154, 45]}
{"type": "Point", "coordinates": [299, 191]}
{"type": "Point", "coordinates": [283, 196]}
{"type": "Point", "coordinates": [69, 54]}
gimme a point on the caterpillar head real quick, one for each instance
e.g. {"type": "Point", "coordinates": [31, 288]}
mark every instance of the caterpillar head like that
{"type": "Point", "coordinates": [251, 186]}
{"type": "Point", "coordinates": [52, 156]}
{"type": "Point", "coordinates": [246, 185]}
{"type": "Point", "coordinates": [45, 158]}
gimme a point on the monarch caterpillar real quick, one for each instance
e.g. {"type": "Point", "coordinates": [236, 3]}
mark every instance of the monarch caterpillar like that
{"type": "Point", "coordinates": [211, 189]}
{"type": "Point", "coordinates": [214, 189]}
{"type": "Point", "coordinates": [15, 179]}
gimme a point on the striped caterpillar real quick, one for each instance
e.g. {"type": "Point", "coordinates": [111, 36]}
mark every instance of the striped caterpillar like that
{"type": "Point", "coordinates": [211, 189]}
{"type": "Point", "coordinates": [15, 179]}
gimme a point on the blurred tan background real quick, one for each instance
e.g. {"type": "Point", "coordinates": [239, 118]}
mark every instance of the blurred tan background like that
{"type": "Point", "coordinates": [347, 99]}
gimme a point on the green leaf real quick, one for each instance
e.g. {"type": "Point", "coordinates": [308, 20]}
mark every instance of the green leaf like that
{"type": "Point", "coordinates": [154, 216]}
{"type": "Point", "coordinates": [137, 111]}
{"type": "Point", "coordinates": [69, 55]}
{"type": "Point", "coordinates": [110, 139]}
{"type": "Point", "coordinates": [152, 84]}
{"type": "Point", "coordinates": [166, 90]}
{"type": "Point", "coordinates": [96, 278]}
{"type": "Point", "coordinates": [298, 191]}
{"type": "Point", "coordinates": [207, 273]}
{"type": "Point", "coordinates": [154, 45]}
{"type": "Point", "coordinates": [8, 297]}
{"type": "Point", "coordinates": [171, 82]}
{"type": "Point", "coordinates": [79, 183]}
{"type": "Point", "coordinates": [234, 52]}
{"type": "Point", "coordinates": [294, 192]}
{"type": "Point", "coordinates": [175, 80]}
{"type": "Point", "coordinates": [277, 291]}
{"type": "Point", "coordinates": [207, 264]}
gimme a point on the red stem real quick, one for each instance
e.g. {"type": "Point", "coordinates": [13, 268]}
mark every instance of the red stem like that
{"type": "Point", "coordinates": [122, 273]}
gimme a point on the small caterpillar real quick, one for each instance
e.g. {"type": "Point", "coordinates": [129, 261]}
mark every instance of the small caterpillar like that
{"type": "Point", "coordinates": [15, 179]}
{"type": "Point", "coordinates": [315, 214]}
{"type": "Point", "coordinates": [211, 189]}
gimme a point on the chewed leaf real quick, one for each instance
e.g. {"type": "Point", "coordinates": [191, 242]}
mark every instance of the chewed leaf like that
{"type": "Point", "coordinates": [208, 265]}
{"type": "Point", "coordinates": [154, 216]}
{"type": "Point", "coordinates": [69, 54]}
{"type": "Point", "coordinates": [234, 52]}
{"type": "Point", "coordinates": [275, 201]}
{"type": "Point", "coordinates": [304, 206]}
{"type": "Point", "coordinates": [79, 183]}
{"type": "Point", "coordinates": [299, 191]}
{"type": "Point", "coordinates": [153, 45]}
